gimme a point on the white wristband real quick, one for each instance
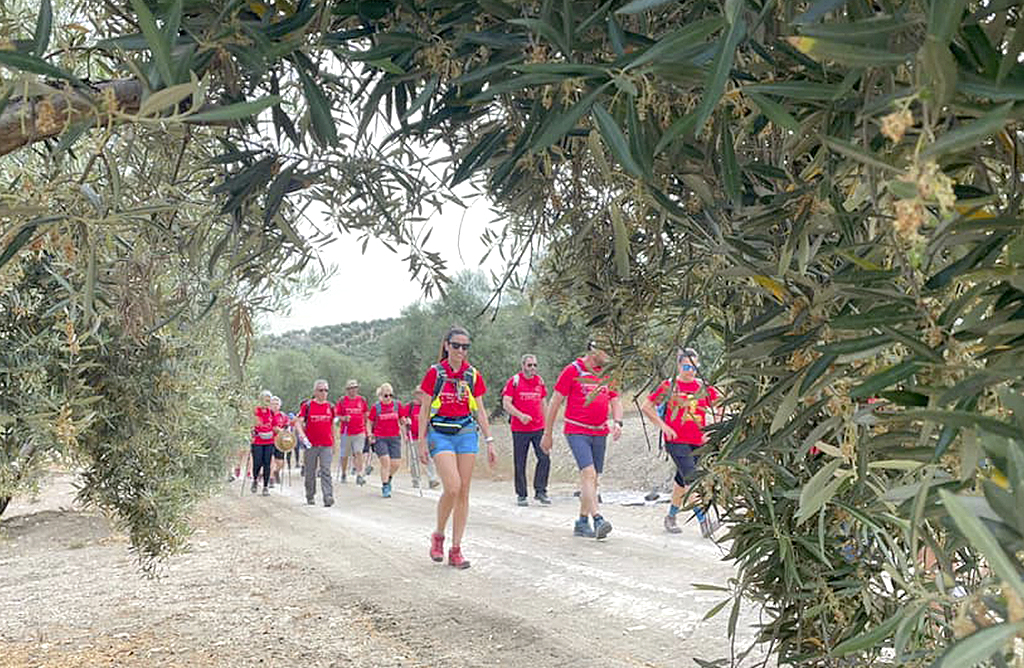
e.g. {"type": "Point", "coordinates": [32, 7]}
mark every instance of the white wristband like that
{"type": "Point", "coordinates": [489, 439]}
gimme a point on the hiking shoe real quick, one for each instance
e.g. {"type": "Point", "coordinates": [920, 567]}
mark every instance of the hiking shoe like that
{"type": "Point", "coordinates": [522, 501]}
{"type": "Point", "coordinates": [456, 559]}
{"type": "Point", "coordinates": [543, 499]}
{"type": "Point", "coordinates": [266, 492]}
{"type": "Point", "coordinates": [437, 546]}
{"type": "Point", "coordinates": [328, 503]}
{"type": "Point", "coordinates": [582, 529]}
{"type": "Point", "coordinates": [415, 483]}
{"type": "Point", "coordinates": [253, 488]}
{"type": "Point", "coordinates": [360, 480]}
{"type": "Point", "coordinates": [602, 528]}
{"type": "Point", "coordinates": [385, 490]}
{"type": "Point", "coordinates": [434, 484]}
{"type": "Point", "coordinates": [271, 483]}
{"type": "Point", "coordinates": [671, 525]}
{"type": "Point", "coordinates": [369, 469]}
{"type": "Point", "coordinates": [310, 502]}
{"type": "Point", "coordinates": [344, 478]}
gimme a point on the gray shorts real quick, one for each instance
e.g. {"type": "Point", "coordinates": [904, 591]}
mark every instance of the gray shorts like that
{"type": "Point", "coordinates": [388, 447]}
{"type": "Point", "coordinates": [588, 450]}
{"type": "Point", "coordinates": [352, 444]}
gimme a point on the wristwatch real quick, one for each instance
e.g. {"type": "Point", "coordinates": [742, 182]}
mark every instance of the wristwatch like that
{"type": "Point", "coordinates": [618, 422]}
{"type": "Point", "coordinates": [489, 439]}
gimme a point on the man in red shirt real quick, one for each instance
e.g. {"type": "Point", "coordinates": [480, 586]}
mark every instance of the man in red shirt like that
{"type": "Point", "coordinates": [588, 399]}
{"type": "Point", "coordinates": [523, 400]}
{"type": "Point", "coordinates": [681, 415]}
{"type": "Point", "coordinates": [316, 422]}
{"type": "Point", "coordinates": [352, 410]}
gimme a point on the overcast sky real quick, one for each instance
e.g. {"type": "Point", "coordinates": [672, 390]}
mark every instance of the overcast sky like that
{"type": "Point", "coordinates": [383, 285]}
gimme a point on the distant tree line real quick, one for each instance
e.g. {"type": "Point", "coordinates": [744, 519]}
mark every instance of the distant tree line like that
{"type": "Point", "coordinates": [399, 350]}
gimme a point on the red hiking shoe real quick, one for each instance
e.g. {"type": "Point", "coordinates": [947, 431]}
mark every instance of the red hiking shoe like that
{"type": "Point", "coordinates": [456, 559]}
{"type": "Point", "coordinates": [437, 546]}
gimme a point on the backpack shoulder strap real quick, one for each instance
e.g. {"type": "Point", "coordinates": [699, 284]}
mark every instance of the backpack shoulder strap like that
{"type": "Point", "coordinates": [439, 379]}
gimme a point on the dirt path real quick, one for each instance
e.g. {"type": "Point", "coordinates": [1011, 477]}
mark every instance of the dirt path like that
{"type": "Point", "coordinates": [274, 582]}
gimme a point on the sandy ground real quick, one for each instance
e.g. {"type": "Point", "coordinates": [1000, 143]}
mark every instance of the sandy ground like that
{"type": "Point", "coordinates": [270, 581]}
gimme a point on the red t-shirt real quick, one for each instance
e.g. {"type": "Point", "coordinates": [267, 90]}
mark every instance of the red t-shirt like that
{"type": "Point", "coordinates": [412, 411]}
{"type": "Point", "coordinates": [280, 420]}
{"type": "Point", "coordinates": [319, 418]}
{"type": "Point", "coordinates": [355, 408]}
{"type": "Point", "coordinates": [385, 422]}
{"type": "Point", "coordinates": [528, 397]}
{"type": "Point", "coordinates": [685, 412]}
{"type": "Point", "coordinates": [454, 393]}
{"type": "Point", "coordinates": [263, 432]}
{"type": "Point", "coordinates": [588, 397]}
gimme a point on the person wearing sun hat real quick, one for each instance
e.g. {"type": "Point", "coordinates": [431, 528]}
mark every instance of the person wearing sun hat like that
{"type": "Point", "coordinates": [592, 411]}
{"type": "Point", "coordinates": [352, 411]}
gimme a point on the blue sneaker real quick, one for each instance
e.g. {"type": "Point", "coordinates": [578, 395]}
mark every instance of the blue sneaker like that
{"type": "Point", "coordinates": [582, 529]}
{"type": "Point", "coordinates": [385, 490]}
{"type": "Point", "coordinates": [602, 528]}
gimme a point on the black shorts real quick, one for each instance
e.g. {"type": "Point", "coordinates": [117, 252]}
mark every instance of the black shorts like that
{"type": "Point", "coordinates": [685, 457]}
{"type": "Point", "coordinates": [278, 454]}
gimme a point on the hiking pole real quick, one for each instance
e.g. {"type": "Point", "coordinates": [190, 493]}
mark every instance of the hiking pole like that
{"type": "Point", "coordinates": [414, 460]}
{"type": "Point", "coordinates": [243, 476]}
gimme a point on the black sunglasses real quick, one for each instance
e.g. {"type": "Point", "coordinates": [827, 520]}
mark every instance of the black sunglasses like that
{"type": "Point", "coordinates": [459, 346]}
{"type": "Point", "coordinates": [531, 364]}
{"type": "Point", "coordinates": [387, 396]}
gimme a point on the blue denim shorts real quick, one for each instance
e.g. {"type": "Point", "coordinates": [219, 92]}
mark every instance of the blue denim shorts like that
{"type": "Point", "coordinates": [461, 443]}
{"type": "Point", "coordinates": [588, 450]}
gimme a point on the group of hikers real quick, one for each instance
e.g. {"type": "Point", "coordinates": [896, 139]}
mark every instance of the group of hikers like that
{"type": "Point", "coordinates": [446, 435]}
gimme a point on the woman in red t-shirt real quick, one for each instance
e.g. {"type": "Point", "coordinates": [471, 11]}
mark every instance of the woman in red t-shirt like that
{"type": "Point", "coordinates": [280, 424]}
{"type": "Point", "coordinates": [682, 417]}
{"type": "Point", "coordinates": [386, 436]}
{"type": "Point", "coordinates": [451, 389]}
{"type": "Point", "coordinates": [262, 441]}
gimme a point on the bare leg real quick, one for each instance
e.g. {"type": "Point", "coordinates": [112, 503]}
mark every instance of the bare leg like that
{"type": "Point", "coordinates": [588, 491]}
{"type": "Point", "coordinates": [461, 510]}
{"type": "Point", "coordinates": [385, 467]}
{"type": "Point", "coordinates": [447, 468]}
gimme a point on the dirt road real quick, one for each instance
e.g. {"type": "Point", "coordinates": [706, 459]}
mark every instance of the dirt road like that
{"type": "Point", "coordinates": [274, 582]}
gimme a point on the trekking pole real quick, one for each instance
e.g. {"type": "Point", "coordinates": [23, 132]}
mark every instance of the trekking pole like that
{"type": "Point", "coordinates": [414, 460]}
{"type": "Point", "coordinates": [243, 476]}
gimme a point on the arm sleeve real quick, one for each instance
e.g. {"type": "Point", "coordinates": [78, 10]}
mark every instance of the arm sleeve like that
{"type": "Point", "coordinates": [656, 394]}
{"type": "Point", "coordinates": [427, 386]}
{"type": "Point", "coordinates": [564, 382]}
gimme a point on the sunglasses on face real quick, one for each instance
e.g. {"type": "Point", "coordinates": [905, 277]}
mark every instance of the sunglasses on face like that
{"type": "Point", "coordinates": [387, 396]}
{"type": "Point", "coordinates": [459, 346]}
{"type": "Point", "coordinates": [321, 389]}
{"type": "Point", "coordinates": [687, 367]}
{"type": "Point", "coordinates": [531, 365]}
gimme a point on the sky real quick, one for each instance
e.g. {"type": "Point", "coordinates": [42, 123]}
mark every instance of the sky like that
{"type": "Point", "coordinates": [392, 287]}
